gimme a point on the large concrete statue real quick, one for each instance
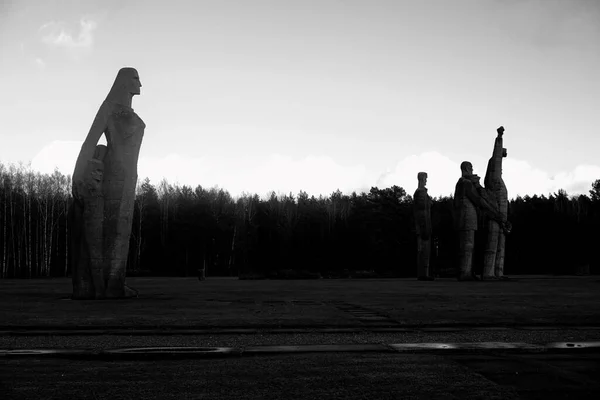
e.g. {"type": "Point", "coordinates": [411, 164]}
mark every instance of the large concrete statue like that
{"type": "Point", "coordinates": [470, 199]}
{"type": "Point", "coordinates": [493, 262]}
{"type": "Point", "coordinates": [104, 182]}
{"type": "Point", "coordinates": [422, 213]}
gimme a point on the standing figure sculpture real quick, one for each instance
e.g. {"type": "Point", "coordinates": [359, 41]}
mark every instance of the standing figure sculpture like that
{"type": "Point", "coordinates": [422, 213]}
{"type": "Point", "coordinates": [493, 262]}
{"type": "Point", "coordinates": [104, 182]}
{"type": "Point", "coordinates": [470, 199]}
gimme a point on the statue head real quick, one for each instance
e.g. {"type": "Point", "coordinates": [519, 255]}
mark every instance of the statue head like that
{"type": "Point", "coordinates": [466, 168]}
{"type": "Point", "coordinates": [127, 83]}
{"type": "Point", "coordinates": [422, 177]}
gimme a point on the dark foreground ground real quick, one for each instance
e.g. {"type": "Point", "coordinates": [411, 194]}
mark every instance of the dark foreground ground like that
{"type": "Point", "coordinates": [186, 302]}
{"type": "Point", "coordinates": [241, 314]}
{"type": "Point", "coordinates": [310, 376]}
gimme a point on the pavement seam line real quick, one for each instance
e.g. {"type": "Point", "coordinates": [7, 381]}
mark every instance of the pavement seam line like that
{"type": "Point", "coordinates": [23, 331]}
{"type": "Point", "coordinates": [199, 352]}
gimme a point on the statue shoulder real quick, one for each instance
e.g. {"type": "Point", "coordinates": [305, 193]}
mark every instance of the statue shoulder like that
{"type": "Point", "coordinates": [421, 193]}
{"type": "Point", "coordinates": [107, 105]}
{"type": "Point", "coordinates": [462, 181]}
{"type": "Point", "coordinates": [105, 110]}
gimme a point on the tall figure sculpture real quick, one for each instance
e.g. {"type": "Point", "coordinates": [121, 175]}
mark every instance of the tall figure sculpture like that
{"type": "Point", "coordinates": [469, 199]}
{"type": "Point", "coordinates": [493, 263]}
{"type": "Point", "coordinates": [422, 212]}
{"type": "Point", "coordinates": [104, 182]}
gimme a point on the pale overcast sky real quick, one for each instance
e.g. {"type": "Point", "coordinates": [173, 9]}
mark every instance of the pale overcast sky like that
{"type": "Point", "coordinates": [256, 95]}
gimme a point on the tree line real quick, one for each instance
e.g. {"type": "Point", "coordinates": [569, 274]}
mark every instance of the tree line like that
{"type": "Point", "coordinates": [178, 230]}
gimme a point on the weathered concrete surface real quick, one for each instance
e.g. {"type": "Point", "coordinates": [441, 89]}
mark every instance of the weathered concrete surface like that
{"type": "Point", "coordinates": [104, 182]}
{"type": "Point", "coordinates": [422, 214]}
{"type": "Point", "coordinates": [470, 200]}
{"type": "Point", "coordinates": [493, 263]}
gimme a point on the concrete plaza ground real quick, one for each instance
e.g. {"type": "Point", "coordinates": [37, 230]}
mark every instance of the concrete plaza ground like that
{"type": "Point", "coordinates": [488, 339]}
{"type": "Point", "coordinates": [226, 303]}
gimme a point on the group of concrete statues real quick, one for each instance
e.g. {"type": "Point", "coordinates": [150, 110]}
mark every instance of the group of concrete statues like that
{"type": "Point", "coordinates": [105, 177]}
{"type": "Point", "coordinates": [471, 201]}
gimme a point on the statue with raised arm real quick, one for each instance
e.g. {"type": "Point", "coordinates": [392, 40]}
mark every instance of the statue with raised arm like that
{"type": "Point", "coordinates": [470, 199]}
{"type": "Point", "coordinates": [104, 182]}
{"type": "Point", "coordinates": [493, 262]}
{"type": "Point", "coordinates": [422, 213]}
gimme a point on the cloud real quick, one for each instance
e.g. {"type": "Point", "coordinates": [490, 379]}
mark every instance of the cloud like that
{"type": "Point", "coordinates": [315, 175]}
{"type": "Point", "coordinates": [525, 179]}
{"type": "Point", "coordinates": [177, 169]}
{"type": "Point", "coordinates": [520, 177]}
{"type": "Point", "coordinates": [55, 34]}
{"type": "Point", "coordinates": [283, 174]}
{"type": "Point", "coordinates": [442, 173]}
{"type": "Point", "coordinates": [40, 63]}
{"type": "Point", "coordinates": [190, 171]}
{"type": "Point", "coordinates": [323, 175]}
{"type": "Point", "coordinates": [58, 154]}
{"type": "Point", "coordinates": [577, 181]}
{"type": "Point", "coordinates": [279, 173]}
